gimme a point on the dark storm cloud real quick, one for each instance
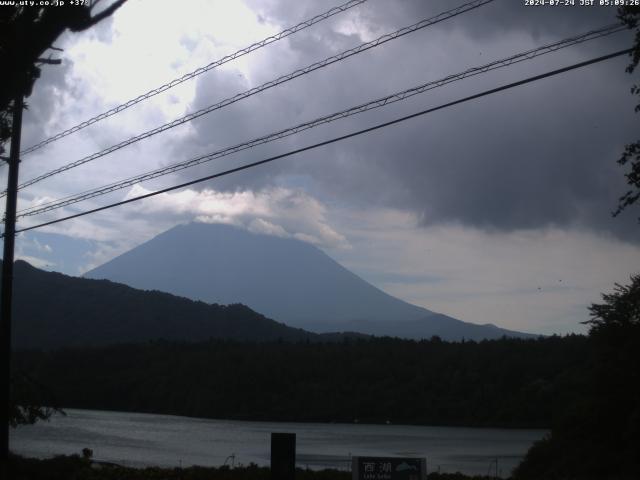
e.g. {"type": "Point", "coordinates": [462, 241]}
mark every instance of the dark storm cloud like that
{"type": "Point", "coordinates": [508, 163]}
{"type": "Point", "coordinates": [540, 156]}
{"type": "Point", "coordinates": [46, 99]}
{"type": "Point", "coordinates": [497, 18]}
{"type": "Point", "coordinates": [492, 20]}
{"type": "Point", "coordinates": [53, 89]}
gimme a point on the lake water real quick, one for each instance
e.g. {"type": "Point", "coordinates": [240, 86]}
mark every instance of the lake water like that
{"type": "Point", "coordinates": [140, 440]}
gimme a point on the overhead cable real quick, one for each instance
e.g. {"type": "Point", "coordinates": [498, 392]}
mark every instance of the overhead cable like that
{"type": "Point", "coordinates": [195, 73]}
{"type": "Point", "coordinates": [285, 78]}
{"type": "Point", "coordinates": [373, 104]}
{"type": "Point", "coordinates": [333, 140]}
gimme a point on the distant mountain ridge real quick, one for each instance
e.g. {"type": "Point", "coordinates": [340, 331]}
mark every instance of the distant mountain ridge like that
{"type": "Point", "coordinates": [52, 310]}
{"type": "Point", "coordinates": [283, 278]}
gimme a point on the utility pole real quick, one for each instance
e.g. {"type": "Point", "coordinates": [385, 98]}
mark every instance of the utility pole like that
{"type": "Point", "coordinates": [6, 289]}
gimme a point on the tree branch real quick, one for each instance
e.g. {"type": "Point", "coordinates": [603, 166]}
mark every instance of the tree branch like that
{"type": "Point", "coordinates": [50, 61]}
{"type": "Point", "coordinates": [91, 21]}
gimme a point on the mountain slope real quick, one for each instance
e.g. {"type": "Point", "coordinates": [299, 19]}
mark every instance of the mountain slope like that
{"type": "Point", "coordinates": [53, 310]}
{"type": "Point", "coordinates": [286, 279]}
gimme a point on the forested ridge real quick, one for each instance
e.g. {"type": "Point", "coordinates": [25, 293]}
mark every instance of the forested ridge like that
{"type": "Point", "coordinates": [507, 382]}
{"type": "Point", "coordinates": [52, 310]}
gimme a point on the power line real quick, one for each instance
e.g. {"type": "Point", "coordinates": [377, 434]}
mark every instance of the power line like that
{"type": "Point", "coordinates": [380, 102]}
{"type": "Point", "coordinates": [335, 139]}
{"type": "Point", "coordinates": [195, 73]}
{"type": "Point", "coordinates": [303, 71]}
{"type": "Point", "coordinates": [527, 55]}
{"type": "Point", "coordinates": [285, 78]}
{"type": "Point", "coordinates": [373, 104]}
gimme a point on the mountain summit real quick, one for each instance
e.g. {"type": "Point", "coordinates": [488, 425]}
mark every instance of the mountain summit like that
{"type": "Point", "coordinates": [285, 279]}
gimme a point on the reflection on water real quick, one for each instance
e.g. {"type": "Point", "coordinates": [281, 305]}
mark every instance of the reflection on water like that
{"type": "Point", "coordinates": [138, 440]}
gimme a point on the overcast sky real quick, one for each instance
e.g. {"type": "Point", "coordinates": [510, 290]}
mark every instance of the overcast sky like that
{"type": "Point", "coordinates": [496, 210]}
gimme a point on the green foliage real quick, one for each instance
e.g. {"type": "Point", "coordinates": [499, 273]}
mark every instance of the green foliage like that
{"type": "Point", "coordinates": [30, 401]}
{"type": "Point", "coordinates": [620, 312]}
{"type": "Point", "coordinates": [597, 435]}
{"type": "Point", "coordinates": [630, 15]}
{"type": "Point", "coordinates": [508, 382]}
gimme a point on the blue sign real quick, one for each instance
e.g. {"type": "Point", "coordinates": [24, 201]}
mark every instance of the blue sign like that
{"type": "Point", "coordinates": [388, 468]}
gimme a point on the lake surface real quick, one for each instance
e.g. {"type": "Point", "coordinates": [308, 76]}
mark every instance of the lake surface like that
{"type": "Point", "coordinates": [139, 440]}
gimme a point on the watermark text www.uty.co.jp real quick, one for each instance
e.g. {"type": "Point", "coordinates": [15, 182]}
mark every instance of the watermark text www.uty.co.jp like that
{"type": "Point", "coordinates": [43, 3]}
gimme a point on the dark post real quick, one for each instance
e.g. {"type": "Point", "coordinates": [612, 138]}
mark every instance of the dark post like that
{"type": "Point", "coordinates": [7, 282]}
{"type": "Point", "coordinates": [283, 456]}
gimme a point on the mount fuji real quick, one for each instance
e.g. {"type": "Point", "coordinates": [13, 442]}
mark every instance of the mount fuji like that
{"type": "Point", "coordinates": [288, 280]}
